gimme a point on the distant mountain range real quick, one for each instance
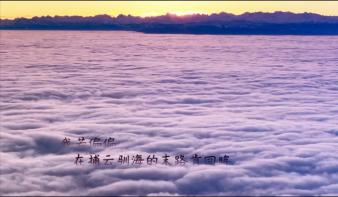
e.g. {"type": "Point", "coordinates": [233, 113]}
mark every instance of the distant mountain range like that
{"type": "Point", "coordinates": [258, 23]}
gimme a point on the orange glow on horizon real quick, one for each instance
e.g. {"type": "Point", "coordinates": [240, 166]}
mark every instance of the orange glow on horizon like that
{"type": "Point", "coordinates": [10, 10]}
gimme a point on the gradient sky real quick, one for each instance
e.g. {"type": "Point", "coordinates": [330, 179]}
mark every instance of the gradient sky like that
{"type": "Point", "coordinates": [150, 8]}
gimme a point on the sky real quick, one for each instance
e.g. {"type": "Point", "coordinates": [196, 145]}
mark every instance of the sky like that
{"type": "Point", "coordinates": [29, 9]}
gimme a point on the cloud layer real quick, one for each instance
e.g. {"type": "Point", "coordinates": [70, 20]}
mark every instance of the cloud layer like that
{"type": "Point", "coordinates": [270, 103]}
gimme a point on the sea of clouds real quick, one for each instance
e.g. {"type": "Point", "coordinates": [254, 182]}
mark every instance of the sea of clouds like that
{"type": "Point", "coordinates": [269, 102]}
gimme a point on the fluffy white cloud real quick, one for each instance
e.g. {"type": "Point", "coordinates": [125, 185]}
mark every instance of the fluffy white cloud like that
{"type": "Point", "coordinates": [268, 102]}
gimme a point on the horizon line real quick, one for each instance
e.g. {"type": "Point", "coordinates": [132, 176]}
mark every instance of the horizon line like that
{"type": "Point", "coordinates": [177, 14]}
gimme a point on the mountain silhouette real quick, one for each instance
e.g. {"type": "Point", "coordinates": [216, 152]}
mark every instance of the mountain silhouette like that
{"type": "Point", "coordinates": [260, 23]}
